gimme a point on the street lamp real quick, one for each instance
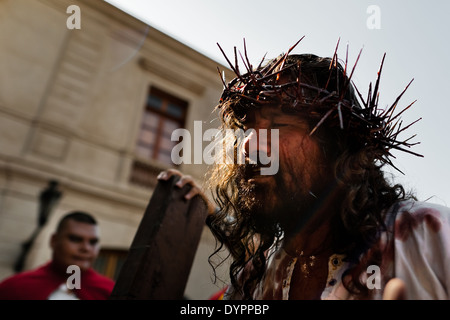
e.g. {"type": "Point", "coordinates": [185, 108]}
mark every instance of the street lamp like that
{"type": "Point", "coordinates": [47, 200]}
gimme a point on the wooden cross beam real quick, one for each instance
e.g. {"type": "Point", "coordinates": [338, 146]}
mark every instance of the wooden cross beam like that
{"type": "Point", "coordinates": [163, 249]}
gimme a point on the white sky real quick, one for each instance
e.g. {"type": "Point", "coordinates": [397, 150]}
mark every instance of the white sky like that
{"type": "Point", "coordinates": [413, 34]}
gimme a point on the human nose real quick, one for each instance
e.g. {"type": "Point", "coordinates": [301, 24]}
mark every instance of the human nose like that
{"type": "Point", "coordinates": [86, 246]}
{"type": "Point", "coordinates": [256, 144]}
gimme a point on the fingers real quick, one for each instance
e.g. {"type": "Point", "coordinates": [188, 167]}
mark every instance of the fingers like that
{"type": "Point", "coordinates": [165, 175]}
{"type": "Point", "coordinates": [184, 180]}
{"type": "Point", "coordinates": [395, 290]}
{"type": "Point", "coordinates": [188, 180]}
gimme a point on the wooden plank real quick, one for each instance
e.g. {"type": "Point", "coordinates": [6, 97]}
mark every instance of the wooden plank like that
{"type": "Point", "coordinates": [163, 249]}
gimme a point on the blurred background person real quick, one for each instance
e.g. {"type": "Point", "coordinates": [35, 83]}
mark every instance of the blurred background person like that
{"type": "Point", "coordinates": [75, 242]}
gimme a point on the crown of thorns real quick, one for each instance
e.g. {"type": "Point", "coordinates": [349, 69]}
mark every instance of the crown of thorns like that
{"type": "Point", "coordinates": [371, 126]}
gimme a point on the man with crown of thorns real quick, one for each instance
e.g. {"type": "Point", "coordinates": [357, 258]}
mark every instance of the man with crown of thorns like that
{"type": "Point", "coordinates": [328, 224]}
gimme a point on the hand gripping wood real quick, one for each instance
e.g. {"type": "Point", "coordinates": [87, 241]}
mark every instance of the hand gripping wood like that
{"type": "Point", "coordinates": [161, 255]}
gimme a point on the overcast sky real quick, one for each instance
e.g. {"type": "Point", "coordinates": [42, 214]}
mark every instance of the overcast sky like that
{"type": "Point", "coordinates": [413, 34]}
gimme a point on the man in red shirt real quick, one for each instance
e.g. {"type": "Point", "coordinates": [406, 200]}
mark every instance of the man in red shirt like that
{"type": "Point", "coordinates": [75, 243]}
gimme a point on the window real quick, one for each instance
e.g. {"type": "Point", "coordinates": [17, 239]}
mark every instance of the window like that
{"type": "Point", "coordinates": [163, 114]}
{"type": "Point", "coordinates": [109, 262]}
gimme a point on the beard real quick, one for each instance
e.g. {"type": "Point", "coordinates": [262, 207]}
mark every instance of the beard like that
{"type": "Point", "coordinates": [271, 204]}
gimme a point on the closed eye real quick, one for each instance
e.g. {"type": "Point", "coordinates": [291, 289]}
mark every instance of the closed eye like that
{"type": "Point", "coordinates": [279, 125]}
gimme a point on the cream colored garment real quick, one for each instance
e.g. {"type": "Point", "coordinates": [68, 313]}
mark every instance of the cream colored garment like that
{"type": "Point", "coordinates": [419, 238]}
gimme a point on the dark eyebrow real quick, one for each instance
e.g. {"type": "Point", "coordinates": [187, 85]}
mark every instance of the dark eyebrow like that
{"type": "Point", "coordinates": [74, 237]}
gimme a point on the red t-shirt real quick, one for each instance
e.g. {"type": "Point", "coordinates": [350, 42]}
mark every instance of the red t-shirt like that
{"type": "Point", "coordinates": [39, 283]}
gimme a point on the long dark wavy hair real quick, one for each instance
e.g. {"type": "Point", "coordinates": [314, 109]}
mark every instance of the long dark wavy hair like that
{"type": "Point", "coordinates": [351, 133]}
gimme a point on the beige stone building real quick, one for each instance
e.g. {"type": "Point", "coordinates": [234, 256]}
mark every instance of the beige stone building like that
{"type": "Point", "coordinates": [93, 108]}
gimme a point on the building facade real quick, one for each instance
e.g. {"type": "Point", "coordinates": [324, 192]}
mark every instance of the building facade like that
{"type": "Point", "coordinates": [92, 107]}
